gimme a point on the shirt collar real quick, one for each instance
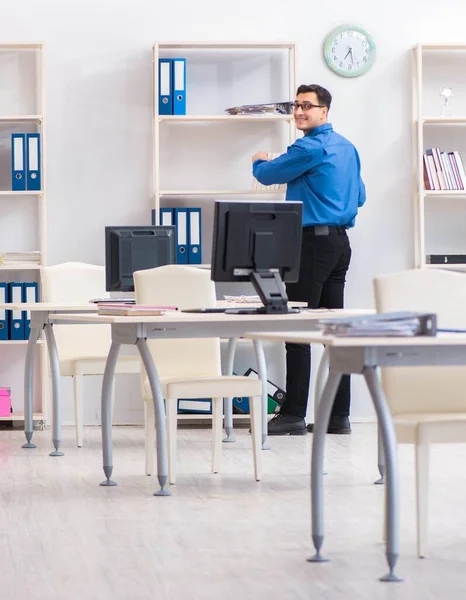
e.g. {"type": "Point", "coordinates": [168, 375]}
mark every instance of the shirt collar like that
{"type": "Point", "coordinates": [321, 129]}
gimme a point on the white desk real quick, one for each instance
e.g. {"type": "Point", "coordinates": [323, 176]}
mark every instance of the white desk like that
{"type": "Point", "coordinates": [136, 331]}
{"type": "Point", "coordinates": [364, 356]}
{"type": "Point", "coordinates": [42, 314]}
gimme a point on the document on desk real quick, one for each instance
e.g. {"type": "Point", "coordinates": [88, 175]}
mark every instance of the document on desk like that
{"type": "Point", "coordinates": [389, 324]}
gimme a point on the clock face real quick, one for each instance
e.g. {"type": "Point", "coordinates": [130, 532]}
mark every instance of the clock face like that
{"type": "Point", "coordinates": [349, 51]}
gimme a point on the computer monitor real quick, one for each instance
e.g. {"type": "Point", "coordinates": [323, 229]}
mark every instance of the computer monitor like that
{"type": "Point", "coordinates": [130, 249]}
{"type": "Point", "coordinates": [258, 242]}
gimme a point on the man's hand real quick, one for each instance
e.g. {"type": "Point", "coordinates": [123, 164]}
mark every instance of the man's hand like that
{"type": "Point", "coordinates": [260, 156]}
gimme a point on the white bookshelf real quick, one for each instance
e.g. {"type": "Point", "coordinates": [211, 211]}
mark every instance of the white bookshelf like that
{"type": "Point", "coordinates": [22, 213]}
{"type": "Point", "coordinates": [439, 215]}
{"type": "Point", "coordinates": [255, 73]}
{"type": "Point", "coordinates": [206, 154]}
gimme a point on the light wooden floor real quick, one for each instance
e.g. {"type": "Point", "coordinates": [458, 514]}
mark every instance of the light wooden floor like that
{"type": "Point", "coordinates": [222, 537]}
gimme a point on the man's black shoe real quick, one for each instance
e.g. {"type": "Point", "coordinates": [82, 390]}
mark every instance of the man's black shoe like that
{"type": "Point", "coordinates": [338, 425]}
{"type": "Point", "coordinates": [286, 425]}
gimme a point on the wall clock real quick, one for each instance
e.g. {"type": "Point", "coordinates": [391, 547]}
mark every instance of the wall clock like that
{"type": "Point", "coordinates": [349, 50]}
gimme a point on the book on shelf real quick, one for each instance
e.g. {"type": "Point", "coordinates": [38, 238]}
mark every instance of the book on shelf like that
{"type": "Point", "coordinates": [446, 259]}
{"type": "Point", "coordinates": [121, 309]}
{"type": "Point", "coordinates": [443, 170]}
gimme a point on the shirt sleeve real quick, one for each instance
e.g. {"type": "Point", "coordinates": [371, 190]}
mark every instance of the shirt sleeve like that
{"type": "Point", "coordinates": [286, 167]}
{"type": "Point", "coordinates": [362, 193]}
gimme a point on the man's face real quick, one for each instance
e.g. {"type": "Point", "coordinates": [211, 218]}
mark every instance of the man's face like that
{"type": "Point", "coordinates": [309, 115]}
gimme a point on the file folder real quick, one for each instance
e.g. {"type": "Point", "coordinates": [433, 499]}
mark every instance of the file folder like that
{"type": "Point", "coordinates": [33, 161]}
{"type": "Point", "coordinates": [195, 255]}
{"type": "Point", "coordinates": [16, 317]}
{"type": "Point", "coordinates": [4, 297]}
{"type": "Point", "coordinates": [179, 86]}
{"type": "Point", "coordinates": [275, 396]}
{"type": "Point", "coordinates": [18, 162]}
{"type": "Point", "coordinates": [30, 295]}
{"type": "Point", "coordinates": [181, 223]}
{"type": "Point", "coordinates": [165, 86]}
{"type": "Point", "coordinates": [166, 216]}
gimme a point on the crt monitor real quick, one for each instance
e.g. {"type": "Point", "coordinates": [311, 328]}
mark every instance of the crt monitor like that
{"type": "Point", "coordinates": [258, 242]}
{"type": "Point", "coordinates": [130, 249]}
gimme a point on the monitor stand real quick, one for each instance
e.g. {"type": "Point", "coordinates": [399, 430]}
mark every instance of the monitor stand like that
{"type": "Point", "coordinates": [271, 290]}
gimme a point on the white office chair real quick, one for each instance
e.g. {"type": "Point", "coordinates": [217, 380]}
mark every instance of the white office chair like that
{"type": "Point", "coordinates": [191, 368]}
{"type": "Point", "coordinates": [428, 404]}
{"type": "Point", "coordinates": [82, 349]}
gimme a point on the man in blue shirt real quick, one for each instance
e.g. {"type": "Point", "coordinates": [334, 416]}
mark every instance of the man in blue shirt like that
{"type": "Point", "coordinates": [322, 170]}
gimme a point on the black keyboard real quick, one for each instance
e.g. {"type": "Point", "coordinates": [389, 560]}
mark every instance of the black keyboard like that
{"type": "Point", "coordinates": [204, 310]}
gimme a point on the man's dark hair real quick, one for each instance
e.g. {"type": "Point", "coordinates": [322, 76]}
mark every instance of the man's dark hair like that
{"type": "Point", "coordinates": [324, 96]}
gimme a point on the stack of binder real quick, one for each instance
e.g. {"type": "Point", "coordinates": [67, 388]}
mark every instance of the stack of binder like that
{"type": "Point", "coordinates": [16, 324]}
{"type": "Point", "coordinates": [187, 222]}
{"type": "Point", "coordinates": [25, 162]}
{"type": "Point", "coordinates": [389, 324]}
{"type": "Point", "coordinates": [20, 258]}
{"type": "Point", "coordinates": [172, 86]}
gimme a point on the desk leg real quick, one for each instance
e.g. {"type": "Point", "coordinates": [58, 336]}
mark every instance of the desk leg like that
{"type": "Point", "coordinates": [321, 421]}
{"type": "Point", "coordinates": [380, 457]}
{"type": "Point", "coordinates": [56, 400]}
{"type": "Point", "coordinates": [29, 387]}
{"type": "Point", "coordinates": [387, 432]}
{"type": "Point", "coordinates": [322, 373]}
{"type": "Point", "coordinates": [228, 402]}
{"type": "Point", "coordinates": [106, 410]}
{"type": "Point", "coordinates": [262, 372]}
{"type": "Point", "coordinates": [160, 418]}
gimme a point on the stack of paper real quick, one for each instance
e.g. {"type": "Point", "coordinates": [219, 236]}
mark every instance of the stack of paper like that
{"type": "Point", "coordinates": [277, 108]}
{"type": "Point", "coordinates": [14, 258]}
{"type": "Point", "coordinates": [388, 324]}
{"type": "Point", "coordinates": [133, 310]}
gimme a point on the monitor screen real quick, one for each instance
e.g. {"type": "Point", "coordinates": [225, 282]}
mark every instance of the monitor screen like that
{"type": "Point", "coordinates": [258, 242]}
{"type": "Point", "coordinates": [129, 249]}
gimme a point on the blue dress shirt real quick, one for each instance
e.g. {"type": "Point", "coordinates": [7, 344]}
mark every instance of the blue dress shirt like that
{"type": "Point", "coordinates": [323, 171]}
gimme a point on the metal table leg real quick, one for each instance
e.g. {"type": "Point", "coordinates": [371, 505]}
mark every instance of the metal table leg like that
{"type": "Point", "coordinates": [55, 371]}
{"type": "Point", "coordinates": [387, 432]}
{"type": "Point", "coordinates": [160, 420]}
{"type": "Point", "coordinates": [262, 372]}
{"type": "Point", "coordinates": [106, 409]}
{"type": "Point", "coordinates": [29, 386]}
{"type": "Point", "coordinates": [228, 402]}
{"type": "Point", "coordinates": [317, 462]}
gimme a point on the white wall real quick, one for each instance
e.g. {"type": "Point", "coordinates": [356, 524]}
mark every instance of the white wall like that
{"type": "Point", "coordinates": [98, 101]}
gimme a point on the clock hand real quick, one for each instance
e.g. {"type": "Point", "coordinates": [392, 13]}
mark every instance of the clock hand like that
{"type": "Point", "coordinates": [349, 51]}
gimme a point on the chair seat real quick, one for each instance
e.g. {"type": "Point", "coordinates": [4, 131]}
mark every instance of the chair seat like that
{"type": "Point", "coordinates": [207, 387]}
{"type": "Point", "coordinates": [94, 365]}
{"type": "Point", "coordinates": [425, 428]}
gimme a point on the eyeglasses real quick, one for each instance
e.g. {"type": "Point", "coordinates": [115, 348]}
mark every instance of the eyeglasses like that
{"type": "Point", "coordinates": [305, 105]}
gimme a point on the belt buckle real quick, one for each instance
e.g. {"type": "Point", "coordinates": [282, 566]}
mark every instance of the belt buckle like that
{"type": "Point", "coordinates": [321, 230]}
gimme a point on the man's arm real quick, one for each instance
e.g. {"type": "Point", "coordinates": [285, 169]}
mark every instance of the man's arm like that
{"type": "Point", "coordinates": [285, 167]}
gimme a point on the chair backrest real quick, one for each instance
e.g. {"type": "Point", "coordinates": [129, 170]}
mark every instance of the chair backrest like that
{"type": "Point", "coordinates": [184, 287]}
{"type": "Point", "coordinates": [76, 282]}
{"type": "Point", "coordinates": [425, 389]}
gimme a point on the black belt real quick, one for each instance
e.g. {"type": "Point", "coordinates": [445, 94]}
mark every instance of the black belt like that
{"type": "Point", "coordinates": [324, 229]}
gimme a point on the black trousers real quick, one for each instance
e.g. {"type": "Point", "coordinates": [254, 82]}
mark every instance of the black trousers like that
{"type": "Point", "coordinates": [325, 261]}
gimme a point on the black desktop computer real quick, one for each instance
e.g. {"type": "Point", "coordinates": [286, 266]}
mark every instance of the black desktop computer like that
{"type": "Point", "coordinates": [258, 242]}
{"type": "Point", "coordinates": [129, 249]}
